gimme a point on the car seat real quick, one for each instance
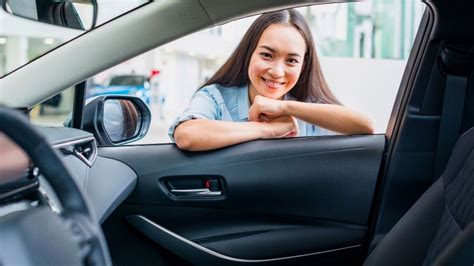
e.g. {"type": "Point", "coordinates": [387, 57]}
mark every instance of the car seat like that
{"type": "Point", "coordinates": [438, 229]}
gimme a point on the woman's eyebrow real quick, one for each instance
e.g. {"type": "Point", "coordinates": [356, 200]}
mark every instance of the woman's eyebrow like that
{"type": "Point", "coordinates": [274, 51]}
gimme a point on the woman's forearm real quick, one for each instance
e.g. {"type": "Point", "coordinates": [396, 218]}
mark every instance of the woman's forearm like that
{"type": "Point", "coordinates": [203, 134]}
{"type": "Point", "coordinates": [336, 118]}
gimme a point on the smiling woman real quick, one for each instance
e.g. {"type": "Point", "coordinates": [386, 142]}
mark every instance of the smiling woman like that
{"type": "Point", "coordinates": [273, 85]}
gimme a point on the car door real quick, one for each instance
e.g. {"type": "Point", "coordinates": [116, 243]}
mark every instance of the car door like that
{"type": "Point", "coordinates": [263, 201]}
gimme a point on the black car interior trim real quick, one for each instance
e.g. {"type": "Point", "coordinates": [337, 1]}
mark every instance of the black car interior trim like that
{"type": "Point", "coordinates": [79, 100]}
{"type": "Point", "coordinates": [199, 253]}
{"type": "Point", "coordinates": [84, 149]}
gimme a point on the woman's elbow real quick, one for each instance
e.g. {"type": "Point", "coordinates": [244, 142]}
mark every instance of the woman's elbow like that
{"type": "Point", "coordinates": [368, 126]}
{"type": "Point", "coordinates": [183, 143]}
{"type": "Point", "coordinates": [183, 138]}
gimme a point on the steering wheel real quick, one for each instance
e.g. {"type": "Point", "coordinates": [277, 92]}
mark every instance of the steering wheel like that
{"type": "Point", "coordinates": [37, 236]}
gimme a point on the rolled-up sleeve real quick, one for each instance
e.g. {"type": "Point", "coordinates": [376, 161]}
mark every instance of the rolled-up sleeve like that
{"type": "Point", "coordinates": [203, 105]}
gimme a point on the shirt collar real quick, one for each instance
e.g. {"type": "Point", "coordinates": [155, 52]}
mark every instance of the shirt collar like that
{"type": "Point", "coordinates": [243, 102]}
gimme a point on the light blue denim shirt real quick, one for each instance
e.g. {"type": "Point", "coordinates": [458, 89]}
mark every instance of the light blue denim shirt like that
{"type": "Point", "coordinates": [217, 102]}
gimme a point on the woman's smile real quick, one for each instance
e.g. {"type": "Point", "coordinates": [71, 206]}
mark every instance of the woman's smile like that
{"type": "Point", "coordinates": [272, 84]}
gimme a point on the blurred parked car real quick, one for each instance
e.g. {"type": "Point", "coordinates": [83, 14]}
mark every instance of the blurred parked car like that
{"type": "Point", "coordinates": [135, 85]}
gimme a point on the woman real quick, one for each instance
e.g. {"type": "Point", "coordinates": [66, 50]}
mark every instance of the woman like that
{"type": "Point", "coordinates": [272, 85]}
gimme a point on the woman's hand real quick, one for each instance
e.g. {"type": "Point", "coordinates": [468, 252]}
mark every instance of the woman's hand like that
{"type": "Point", "coordinates": [271, 113]}
{"type": "Point", "coordinates": [265, 109]}
{"type": "Point", "coordinates": [280, 127]}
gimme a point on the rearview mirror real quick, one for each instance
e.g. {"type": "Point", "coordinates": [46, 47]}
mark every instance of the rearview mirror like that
{"type": "Point", "coordinates": [116, 119]}
{"type": "Point", "coordinates": [75, 14]}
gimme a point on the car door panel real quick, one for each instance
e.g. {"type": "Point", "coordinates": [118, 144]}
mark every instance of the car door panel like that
{"type": "Point", "coordinates": [280, 245]}
{"type": "Point", "coordinates": [280, 198]}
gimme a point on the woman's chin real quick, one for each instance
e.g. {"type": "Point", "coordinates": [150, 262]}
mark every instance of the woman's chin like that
{"type": "Point", "coordinates": [275, 93]}
{"type": "Point", "coordinates": [274, 96]}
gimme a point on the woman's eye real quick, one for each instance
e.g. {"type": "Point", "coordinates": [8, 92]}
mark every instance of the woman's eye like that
{"type": "Point", "coordinates": [266, 55]}
{"type": "Point", "coordinates": [292, 61]}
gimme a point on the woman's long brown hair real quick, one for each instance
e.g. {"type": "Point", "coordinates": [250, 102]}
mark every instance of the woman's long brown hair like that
{"type": "Point", "coordinates": [311, 85]}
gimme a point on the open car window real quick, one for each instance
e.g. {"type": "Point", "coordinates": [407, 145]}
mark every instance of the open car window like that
{"type": "Point", "coordinates": [361, 57]}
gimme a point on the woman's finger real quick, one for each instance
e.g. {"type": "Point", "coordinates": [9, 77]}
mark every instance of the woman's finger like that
{"type": "Point", "coordinates": [254, 113]}
{"type": "Point", "coordinates": [264, 118]}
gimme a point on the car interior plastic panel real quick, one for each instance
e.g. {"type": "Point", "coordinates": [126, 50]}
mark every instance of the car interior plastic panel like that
{"type": "Point", "coordinates": [110, 182]}
{"type": "Point", "coordinates": [107, 182]}
{"type": "Point", "coordinates": [261, 248]}
{"type": "Point", "coordinates": [320, 188]}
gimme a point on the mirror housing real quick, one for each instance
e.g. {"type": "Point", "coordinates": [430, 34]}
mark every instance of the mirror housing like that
{"type": "Point", "coordinates": [116, 119]}
{"type": "Point", "coordinates": [74, 14]}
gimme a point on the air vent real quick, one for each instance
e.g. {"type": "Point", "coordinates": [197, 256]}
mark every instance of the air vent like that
{"type": "Point", "coordinates": [86, 151]}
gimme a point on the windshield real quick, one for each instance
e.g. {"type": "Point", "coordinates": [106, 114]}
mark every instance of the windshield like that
{"type": "Point", "coordinates": [23, 40]}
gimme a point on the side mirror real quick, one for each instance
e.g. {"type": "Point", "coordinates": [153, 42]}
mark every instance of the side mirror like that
{"type": "Point", "coordinates": [75, 14]}
{"type": "Point", "coordinates": [116, 119]}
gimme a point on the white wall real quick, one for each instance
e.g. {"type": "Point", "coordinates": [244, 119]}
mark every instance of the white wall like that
{"type": "Point", "coordinates": [368, 85]}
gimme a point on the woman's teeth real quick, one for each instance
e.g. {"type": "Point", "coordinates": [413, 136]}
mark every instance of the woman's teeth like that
{"type": "Point", "coordinates": [272, 83]}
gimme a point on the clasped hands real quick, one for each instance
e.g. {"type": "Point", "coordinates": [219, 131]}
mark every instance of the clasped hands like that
{"type": "Point", "coordinates": [274, 117]}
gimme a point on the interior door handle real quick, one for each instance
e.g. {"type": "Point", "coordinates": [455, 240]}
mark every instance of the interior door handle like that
{"type": "Point", "coordinates": [195, 192]}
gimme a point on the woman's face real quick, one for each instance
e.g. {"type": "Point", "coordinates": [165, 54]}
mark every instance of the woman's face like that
{"type": "Point", "coordinates": [276, 63]}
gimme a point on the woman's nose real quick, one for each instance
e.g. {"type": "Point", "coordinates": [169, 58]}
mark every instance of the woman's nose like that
{"type": "Point", "coordinates": [276, 70]}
